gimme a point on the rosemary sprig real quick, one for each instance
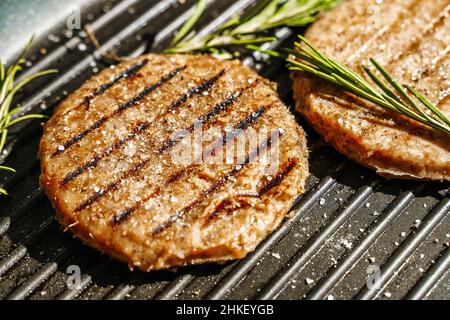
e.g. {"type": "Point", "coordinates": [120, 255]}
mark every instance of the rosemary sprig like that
{"type": "Point", "coordinates": [389, 93]}
{"type": "Point", "coordinates": [8, 89]}
{"type": "Point", "coordinates": [250, 29]}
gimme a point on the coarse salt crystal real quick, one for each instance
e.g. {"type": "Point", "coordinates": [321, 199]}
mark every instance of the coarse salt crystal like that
{"type": "Point", "coordinates": [347, 244]}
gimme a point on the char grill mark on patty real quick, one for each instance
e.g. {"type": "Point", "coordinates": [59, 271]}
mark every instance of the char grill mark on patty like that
{"type": "Point", "coordinates": [414, 50]}
{"type": "Point", "coordinates": [358, 43]}
{"type": "Point", "coordinates": [365, 45]}
{"type": "Point", "coordinates": [205, 86]}
{"type": "Point", "coordinates": [123, 107]}
{"type": "Point", "coordinates": [242, 125]}
{"type": "Point", "coordinates": [138, 193]}
{"type": "Point", "coordinates": [141, 127]}
{"type": "Point", "coordinates": [113, 186]}
{"type": "Point", "coordinates": [126, 74]}
{"type": "Point", "coordinates": [169, 143]}
{"type": "Point", "coordinates": [96, 159]}
{"type": "Point", "coordinates": [411, 46]}
{"type": "Point", "coordinates": [414, 45]}
{"type": "Point", "coordinates": [429, 65]}
{"type": "Point", "coordinates": [206, 118]}
{"type": "Point", "coordinates": [286, 169]}
{"type": "Point", "coordinates": [217, 185]}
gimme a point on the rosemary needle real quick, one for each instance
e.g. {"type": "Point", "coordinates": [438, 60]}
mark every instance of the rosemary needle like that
{"type": "Point", "coordinates": [253, 28]}
{"type": "Point", "coordinates": [388, 93]}
{"type": "Point", "coordinates": [8, 89]}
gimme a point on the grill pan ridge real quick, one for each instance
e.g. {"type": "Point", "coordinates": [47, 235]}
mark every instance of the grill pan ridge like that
{"type": "Point", "coordinates": [347, 223]}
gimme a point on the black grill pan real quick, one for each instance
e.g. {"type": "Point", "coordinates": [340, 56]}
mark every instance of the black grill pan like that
{"type": "Point", "coordinates": [348, 223]}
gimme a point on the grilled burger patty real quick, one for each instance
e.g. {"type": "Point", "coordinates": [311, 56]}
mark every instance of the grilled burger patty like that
{"type": "Point", "coordinates": [121, 163]}
{"type": "Point", "coordinates": [411, 39]}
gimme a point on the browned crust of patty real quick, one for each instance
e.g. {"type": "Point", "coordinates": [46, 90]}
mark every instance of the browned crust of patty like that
{"type": "Point", "coordinates": [216, 216]}
{"type": "Point", "coordinates": [393, 145]}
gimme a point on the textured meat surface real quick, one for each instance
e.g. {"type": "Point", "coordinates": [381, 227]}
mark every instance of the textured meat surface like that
{"type": "Point", "coordinates": [121, 165]}
{"type": "Point", "coordinates": [411, 38]}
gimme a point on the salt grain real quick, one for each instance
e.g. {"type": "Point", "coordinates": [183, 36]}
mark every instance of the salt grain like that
{"type": "Point", "coordinates": [82, 47]}
{"type": "Point", "coordinates": [347, 244]}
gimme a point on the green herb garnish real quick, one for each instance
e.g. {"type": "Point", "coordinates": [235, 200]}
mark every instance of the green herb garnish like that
{"type": "Point", "coordinates": [8, 88]}
{"type": "Point", "coordinates": [388, 93]}
{"type": "Point", "coordinates": [249, 29]}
